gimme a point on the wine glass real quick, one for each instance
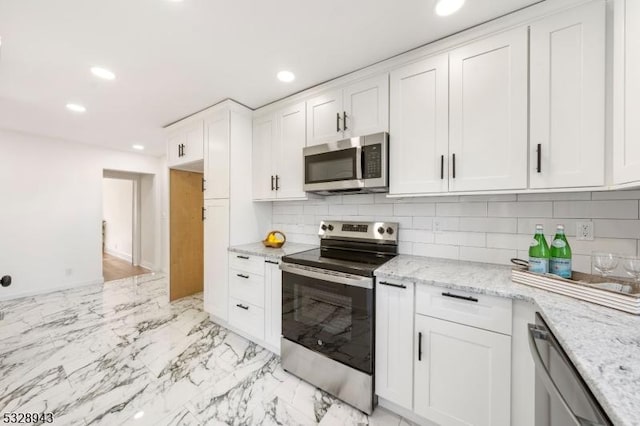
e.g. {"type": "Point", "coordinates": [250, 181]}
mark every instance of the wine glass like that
{"type": "Point", "coordinates": [631, 264]}
{"type": "Point", "coordinates": [604, 262]}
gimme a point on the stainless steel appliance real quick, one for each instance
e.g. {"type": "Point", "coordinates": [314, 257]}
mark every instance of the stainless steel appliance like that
{"type": "Point", "coordinates": [562, 396]}
{"type": "Point", "coordinates": [351, 165]}
{"type": "Point", "coordinates": [328, 304]}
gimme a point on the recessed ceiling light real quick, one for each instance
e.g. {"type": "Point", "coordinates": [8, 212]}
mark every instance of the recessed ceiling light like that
{"type": "Point", "coordinates": [76, 107]}
{"type": "Point", "coordinates": [447, 7]}
{"type": "Point", "coordinates": [103, 73]}
{"type": "Point", "coordinates": [286, 76]}
{"type": "Point", "coordinates": [138, 147]}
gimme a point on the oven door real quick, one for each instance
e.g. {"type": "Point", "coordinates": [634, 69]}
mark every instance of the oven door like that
{"type": "Point", "coordinates": [330, 313]}
{"type": "Point", "coordinates": [334, 167]}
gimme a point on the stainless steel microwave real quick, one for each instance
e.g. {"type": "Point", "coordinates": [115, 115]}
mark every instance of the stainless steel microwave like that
{"type": "Point", "coordinates": [353, 165]}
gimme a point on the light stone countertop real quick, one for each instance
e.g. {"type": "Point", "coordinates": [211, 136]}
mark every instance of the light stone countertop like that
{"type": "Point", "coordinates": [258, 249]}
{"type": "Point", "coordinates": [604, 344]}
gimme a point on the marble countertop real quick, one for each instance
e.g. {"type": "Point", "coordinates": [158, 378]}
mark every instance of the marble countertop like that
{"type": "Point", "coordinates": [603, 344]}
{"type": "Point", "coordinates": [258, 249]}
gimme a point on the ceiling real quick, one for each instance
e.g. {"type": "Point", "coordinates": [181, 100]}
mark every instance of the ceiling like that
{"type": "Point", "coordinates": [174, 58]}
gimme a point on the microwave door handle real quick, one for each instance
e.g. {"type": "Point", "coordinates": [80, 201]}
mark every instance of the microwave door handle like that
{"type": "Point", "coordinates": [536, 332]}
{"type": "Point", "coordinates": [360, 170]}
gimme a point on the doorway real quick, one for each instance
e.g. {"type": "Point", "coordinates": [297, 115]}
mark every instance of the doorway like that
{"type": "Point", "coordinates": [122, 224]}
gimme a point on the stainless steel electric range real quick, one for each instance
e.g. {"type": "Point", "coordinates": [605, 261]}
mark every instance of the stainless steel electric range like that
{"type": "Point", "coordinates": [328, 304]}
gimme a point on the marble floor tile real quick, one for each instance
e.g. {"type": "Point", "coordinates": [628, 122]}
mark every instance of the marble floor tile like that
{"type": "Point", "coordinates": [120, 353]}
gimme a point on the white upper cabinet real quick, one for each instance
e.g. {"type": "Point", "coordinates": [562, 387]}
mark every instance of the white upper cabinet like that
{"type": "Point", "coordinates": [567, 98]}
{"type": "Point", "coordinates": [394, 342]}
{"type": "Point", "coordinates": [289, 161]}
{"type": "Point", "coordinates": [356, 110]}
{"type": "Point", "coordinates": [263, 175]}
{"type": "Point", "coordinates": [420, 127]}
{"type": "Point", "coordinates": [186, 143]}
{"type": "Point", "coordinates": [216, 161]}
{"type": "Point", "coordinates": [488, 113]}
{"type": "Point", "coordinates": [366, 105]}
{"type": "Point", "coordinates": [462, 374]}
{"type": "Point", "coordinates": [626, 145]}
{"type": "Point", "coordinates": [278, 164]}
{"type": "Point", "coordinates": [325, 118]}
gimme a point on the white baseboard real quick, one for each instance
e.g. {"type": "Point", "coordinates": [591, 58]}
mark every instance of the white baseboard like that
{"type": "Point", "coordinates": [51, 289]}
{"type": "Point", "coordinates": [119, 254]}
{"type": "Point", "coordinates": [407, 414]}
{"type": "Point", "coordinates": [148, 265]}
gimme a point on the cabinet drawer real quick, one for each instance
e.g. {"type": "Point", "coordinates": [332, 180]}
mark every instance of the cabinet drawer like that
{"type": "Point", "coordinates": [246, 286]}
{"type": "Point", "coordinates": [246, 317]}
{"type": "Point", "coordinates": [246, 262]}
{"type": "Point", "coordinates": [477, 310]}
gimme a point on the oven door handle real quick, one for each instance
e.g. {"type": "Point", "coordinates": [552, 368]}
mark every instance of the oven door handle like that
{"type": "Point", "coordinates": [537, 332]}
{"type": "Point", "coordinates": [359, 159]}
{"type": "Point", "coordinates": [330, 276]}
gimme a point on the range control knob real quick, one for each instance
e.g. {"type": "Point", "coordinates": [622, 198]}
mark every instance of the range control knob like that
{"type": "Point", "coordinates": [330, 227]}
{"type": "Point", "coordinates": [323, 227]}
{"type": "Point", "coordinates": [381, 230]}
{"type": "Point", "coordinates": [389, 230]}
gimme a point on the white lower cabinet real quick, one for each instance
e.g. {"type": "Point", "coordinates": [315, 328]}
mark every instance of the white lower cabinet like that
{"type": "Point", "coordinates": [216, 241]}
{"type": "Point", "coordinates": [462, 374]}
{"type": "Point", "coordinates": [255, 298]}
{"type": "Point", "coordinates": [273, 304]}
{"type": "Point", "coordinates": [394, 341]}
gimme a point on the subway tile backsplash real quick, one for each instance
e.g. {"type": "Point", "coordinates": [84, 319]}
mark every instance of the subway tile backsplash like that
{"type": "Point", "coordinates": [484, 228]}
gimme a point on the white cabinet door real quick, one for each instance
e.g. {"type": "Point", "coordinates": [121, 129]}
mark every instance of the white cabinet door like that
{"type": "Point", "coordinates": [394, 342]}
{"type": "Point", "coordinates": [626, 147]}
{"type": "Point", "coordinates": [567, 98]}
{"type": "Point", "coordinates": [366, 107]}
{"type": "Point", "coordinates": [289, 162]}
{"type": "Point", "coordinates": [420, 127]}
{"type": "Point", "coordinates": [324, 118]}
{"type": "Point", "coordinates": [462, 374]}
{"type": "Point", "coordinates": [263, 175]}
{"type": "Point", "coordinates": [488, 113]}
{"type": "Point", "coordinates": [216, 162]}
{"type": "Point", "coordinates": [194, 142]}
{"type": "Point", "coordinates": [273, 304]}
{"type": "Point", "coordinates": [216, 243]}
{"type": "Point", "coordinates": [174, 148]}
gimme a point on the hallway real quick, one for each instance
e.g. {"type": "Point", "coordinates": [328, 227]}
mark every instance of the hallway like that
{"type": "Point", "coordinates": [114, 268]}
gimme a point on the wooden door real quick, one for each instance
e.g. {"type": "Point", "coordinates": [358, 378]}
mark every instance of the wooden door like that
{"type": "Point", "coordinates": [488, 113]}
{"type": "Point", "coordinates": [626, 126]}
{"type": "Point", "coordinates": [568, 98]}
{"type": "Point", "coordinates": [324, 118]}
{"type": "Point", "coordinates": [186, 234]}
{"type": "Point", "coordinates": [394, 342]}
{"type": "Point", "coordinates": [366, 104]}
{"type": "Point", "coordinates": [462, 374]}
{"type": "Point", "coordinates": [289, 162]}
{"type": "Point", "coordinates": [420, 127]}
{"type": "Point", "coordinates": [264, 139]}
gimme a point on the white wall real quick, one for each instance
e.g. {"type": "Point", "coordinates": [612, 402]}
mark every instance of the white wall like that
{"type": "Point", "coordinates": [117, 211]}
{"type": "Point", "coordinates": [51, 210]}
{"type": "Point", "coordinates": [150, 241]}
{"type": "Point", "coordinates": [479, 228]}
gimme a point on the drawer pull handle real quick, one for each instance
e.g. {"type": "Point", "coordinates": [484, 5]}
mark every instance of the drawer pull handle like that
{"type": "Point", "coordinates": [419, 346]}
{"type": "Point", "coordinates": [271, 262]}
{"type": "Point", "coordinates": [243, 257]}
{"type": "Point", "coordinates": [393, 285]}
{"type": "Point", "coordinates": [456, 296]}
{"type": "Point", "coordinates": [243, 276]}
{"type": "Point", "coordinates": [241, 306]}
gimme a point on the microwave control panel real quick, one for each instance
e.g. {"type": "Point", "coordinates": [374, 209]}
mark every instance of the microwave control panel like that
{"type": "Point", "coordinates": [372, 161]}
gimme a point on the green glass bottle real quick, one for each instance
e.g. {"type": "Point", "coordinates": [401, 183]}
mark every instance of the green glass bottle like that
{"type": "Point", "coordinates": [560, 262]}
{"type": "Point", "coordinates": [539, 252]}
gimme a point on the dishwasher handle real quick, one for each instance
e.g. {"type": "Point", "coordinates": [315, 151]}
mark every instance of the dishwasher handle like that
{"type": "Point", "coordinates": [540, 333]}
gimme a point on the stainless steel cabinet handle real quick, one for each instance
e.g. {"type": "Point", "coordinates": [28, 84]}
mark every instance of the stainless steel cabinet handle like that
{"type": "Point", "coordinates": [344, 120]}
{"type": "Point", "coordinates": [272, 186]}
{"type": "Point", "coordinates": [539, 155]}
{"type": "Point", "coordinates": [453, 156]}
{"type": "Point", "coordinates": [442, 167]}
{"type": "Point", "coordinates": [277, 182]}
{"type": "Point", "coordinates": [241, 306]}
{"type": "Point", "coordinates": [392, 285]}
{"type": "Point", "coordinates": [419, 346]}
{"type": "Point", "coordinates": [337, 121]}
{"type": "Point", "coordinates": [457, 296]}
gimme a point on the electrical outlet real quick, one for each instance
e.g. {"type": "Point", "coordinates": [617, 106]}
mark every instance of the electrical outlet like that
{"type": "Point", "coordinates": [584, 231]}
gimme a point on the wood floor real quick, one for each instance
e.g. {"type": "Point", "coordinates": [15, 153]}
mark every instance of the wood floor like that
{"type": "Point", "coordinates": [114, 268]}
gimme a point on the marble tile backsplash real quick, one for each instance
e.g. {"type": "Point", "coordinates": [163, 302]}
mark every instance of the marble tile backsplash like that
{"type": "Point", "coordinates": [492, 228]}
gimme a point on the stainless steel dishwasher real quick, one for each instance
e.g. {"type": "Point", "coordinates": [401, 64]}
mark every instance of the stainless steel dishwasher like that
{"type": "Point", "coordinates": [562, 396]}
